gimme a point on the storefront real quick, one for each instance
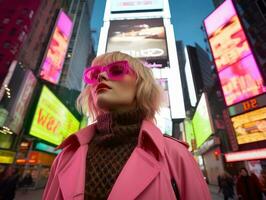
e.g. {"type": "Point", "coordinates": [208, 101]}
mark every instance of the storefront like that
{"type": "Point", "coordinates": [38, 166]}
{"type": "Point", "coordinates": [210, 159]}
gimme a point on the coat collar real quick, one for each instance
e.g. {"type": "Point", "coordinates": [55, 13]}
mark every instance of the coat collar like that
{"type": "Point", "coordinates": [148, 133]}
{"type": "Point", "coordinates": [139, 171]}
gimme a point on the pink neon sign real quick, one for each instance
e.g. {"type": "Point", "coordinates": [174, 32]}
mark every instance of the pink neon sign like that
{"type": "Point", "coordinates": [57, 48]}
{"type": "Point", "coordinates": [238, 71]}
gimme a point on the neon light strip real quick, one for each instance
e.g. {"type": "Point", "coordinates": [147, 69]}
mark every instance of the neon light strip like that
{"type": "Point", "coordinates": [246, 155]}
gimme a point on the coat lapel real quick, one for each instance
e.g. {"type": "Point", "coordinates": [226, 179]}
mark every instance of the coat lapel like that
{"type": "Point", "coordinates": [139, 171]}
{"type": "Point", "coordinates": [72, 177]}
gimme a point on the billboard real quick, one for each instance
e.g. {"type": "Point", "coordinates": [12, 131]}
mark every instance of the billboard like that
{"type": "Point", "coordinates": [47, 148]}
{"type": "Point", "coordinates": [56, 51]}
{"type": "Point", "coordinates": [140, 38]}
{"type": "Point", "coordinates": [52, 121]}
{"type": "Point", "coordinates": [201, 121]}
{"type": "Point", "coordinates": [136, 5]}
{"type": "Point", "coordinates": [19, 108]}
{"type": "Point", "coordinates": [189, 132]}
{"type": "Point", "coordinates": [251, 126]}
{"type": "Point", "coordinates": [237, 69]}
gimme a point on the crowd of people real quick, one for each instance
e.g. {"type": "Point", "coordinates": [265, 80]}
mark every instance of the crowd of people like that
{"type": "Point", "coordinates": [245, 186]}
{"type": "Point", "coordinates": [10, 180]}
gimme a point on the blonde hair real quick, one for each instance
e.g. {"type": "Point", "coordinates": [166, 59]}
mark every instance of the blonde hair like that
{"type": "Point", "coordinates": [148, 95]}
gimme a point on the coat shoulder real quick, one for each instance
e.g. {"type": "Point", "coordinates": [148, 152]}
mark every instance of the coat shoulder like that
{"type": "Point", "coordinates": [170, 139]}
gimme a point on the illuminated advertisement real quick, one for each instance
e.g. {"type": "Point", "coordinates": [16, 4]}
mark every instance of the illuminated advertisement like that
{"type": "Point", "coordinates": [135, 5]}
{"type": "Point", "coordinates": [7, 157]}
{"type": "Point", "coordinates": [201, 122]}
{"type": "Point", "coordinates": [56, 51]}
{"type": "Point", "coordinates": [18, 111]}
{"type": "Point", "coordinates": [52, 121]}
{"type": "Point", "coordinates": [237, 69]}
{"type": "Point", "coordinates": [255, 154]}
{"type": "Point", "coordinates": [140, 38]}
{"type": "Point", "coordinates": [251, 126]}
{"type": "Point", "coordinates": [164, 85]}
{"type": "Point", "coordinates": [189, 132]}
{"type": "Point", "coordinates": [48, 148]}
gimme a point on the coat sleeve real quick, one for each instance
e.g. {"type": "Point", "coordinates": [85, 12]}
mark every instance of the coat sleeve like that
{"type": "Point", "coordinates": [186, 173]}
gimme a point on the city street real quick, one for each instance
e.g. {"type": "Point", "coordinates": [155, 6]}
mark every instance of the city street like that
{"type": "Point", "coordinates": [36, 194]}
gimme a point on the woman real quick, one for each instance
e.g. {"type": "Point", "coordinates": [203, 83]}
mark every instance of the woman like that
{"type": "Point", "coordinates": [248, 186]}
{"type": "Point", "coordinates": [123, 155]}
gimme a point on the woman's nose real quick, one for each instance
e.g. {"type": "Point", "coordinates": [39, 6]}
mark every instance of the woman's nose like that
{"type": "Point", "coordinates": [102, 76]}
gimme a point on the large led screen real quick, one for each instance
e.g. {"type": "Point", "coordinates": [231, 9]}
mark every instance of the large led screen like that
{"type": "Point", "coordinates": [237, 69]}
{"type": "Point", "coordinates": [141, 38]}
{"type": "Point", "coordinates": [201, 122]}
{"type": "Point", "coordinates": [56, 51]}
{"type": "Point", "coordinates": [52, 121]}
{"type": "Point", "coordinates": [251, 126]}
{"type": "Point", "coordinates": [136, 5]}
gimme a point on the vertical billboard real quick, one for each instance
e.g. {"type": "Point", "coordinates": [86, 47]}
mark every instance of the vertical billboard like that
{"type": "Point", "coordinates": [56, 51]}
{"type": "Point", "coordinates": [237, 69]}
{"type": "Point", "coordinates": [250, 127]}
{"type": "Point", "coordinates": [201, 121]}
{"type": "Point", "coordinates": [52, 121]}
{"type": "Point", "coordinates": [140, 38]}
{"type": "Point", "coordinates": [19, 108]}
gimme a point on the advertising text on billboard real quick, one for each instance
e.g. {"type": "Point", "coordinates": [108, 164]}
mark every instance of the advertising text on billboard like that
{"type": "Point", "coordinates": [55, 54]}
{"type": "Point", "coordinates": [141, 38]}
{"type": "Point", "coordinates": [52, 121]}
{"type": "Point", "coordinates": [238, 71]}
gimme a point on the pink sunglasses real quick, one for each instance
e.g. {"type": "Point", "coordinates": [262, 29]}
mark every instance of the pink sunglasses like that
{"type": "Point", "coordinates": [115, 71]}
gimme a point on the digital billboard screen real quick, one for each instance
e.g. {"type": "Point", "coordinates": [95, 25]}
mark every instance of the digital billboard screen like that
{"type": "Point", "coordinates": [237, 69]}
{"type": "Point", "coordinates": [52, 121]}
{"type": "Point", "coordinates": [201, 121]}
{"type": "Point", "coordinates": [136, 5]}
{"type": "Point", "coordinates": [251, 126]}
{"type": "Point", "coordinates": [56, 51]}
{"type": "Point", "coordinates": [140, 38]}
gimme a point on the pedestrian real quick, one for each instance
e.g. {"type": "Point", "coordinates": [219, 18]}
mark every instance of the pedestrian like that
{"type": "Point", "coordinates": [27, 180]}
{"type": "Point", "coordinates": [8, 183]}
{"type": "Point", "coordinates": [226, 185]}
{"type": "Point", "coordinates": [248, 186]}
{"type": "Point", "coordinates": [123, 155]}
{"type": "Point", "coordinates": [263, 181]}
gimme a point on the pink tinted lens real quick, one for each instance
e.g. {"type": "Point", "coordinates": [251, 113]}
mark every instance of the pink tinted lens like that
{"type": "Point", "coordinates": [117, 70]}
{"type": "Point", "coordinates": [91, 74]}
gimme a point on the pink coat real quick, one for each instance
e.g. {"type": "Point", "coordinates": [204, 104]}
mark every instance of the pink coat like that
{"type": "Point", "coordinates": [147, 174]}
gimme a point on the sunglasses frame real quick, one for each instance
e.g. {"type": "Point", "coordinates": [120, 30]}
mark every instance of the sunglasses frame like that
{"type": "Point", "coordinates": [106, 68]}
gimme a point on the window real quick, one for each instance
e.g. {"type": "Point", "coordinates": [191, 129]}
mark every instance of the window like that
{"type": "Point", "coordinates": [19, 21]}
{"type": "Point", "coordinates": [6, 20]}
{"type": "Point", "coordinates": [6, 44]}
{"type": "Point", "coordinates": [12, 32]}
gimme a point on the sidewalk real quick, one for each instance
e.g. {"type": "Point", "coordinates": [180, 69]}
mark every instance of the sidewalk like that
{"type": "Point", "coordinates": [37, 194]}
{"type": "Point", "coordinates": [29, 195]}
{"type": "Point", "coordinates": [214, 192]}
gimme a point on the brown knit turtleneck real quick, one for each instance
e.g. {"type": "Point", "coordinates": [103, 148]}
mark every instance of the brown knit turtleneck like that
{"type": "Point", "coordinates": [115, 139]}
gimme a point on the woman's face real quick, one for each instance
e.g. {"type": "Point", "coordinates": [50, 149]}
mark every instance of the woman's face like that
{"type": "Point", "coordinates": [114, 95]}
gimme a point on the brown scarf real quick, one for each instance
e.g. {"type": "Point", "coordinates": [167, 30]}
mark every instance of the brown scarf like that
{"type": "Point", "coordinates": [115, 139]}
